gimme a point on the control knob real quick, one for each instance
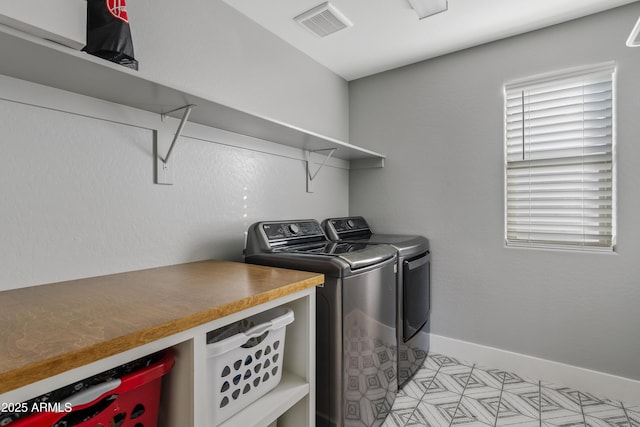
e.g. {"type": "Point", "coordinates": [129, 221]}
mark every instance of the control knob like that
{"type": "Point", "coordinates": [294, 229]}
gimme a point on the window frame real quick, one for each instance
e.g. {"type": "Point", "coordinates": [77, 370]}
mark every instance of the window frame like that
{"type": "Point", "coordinates": [548, 79]}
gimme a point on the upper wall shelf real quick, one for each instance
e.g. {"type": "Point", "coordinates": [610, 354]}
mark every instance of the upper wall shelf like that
{"type": "Point", "coordinates": [40, 61]}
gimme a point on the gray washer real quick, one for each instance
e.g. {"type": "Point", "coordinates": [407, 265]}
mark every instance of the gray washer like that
{"type": "Point", "coordinates": [356, 340]}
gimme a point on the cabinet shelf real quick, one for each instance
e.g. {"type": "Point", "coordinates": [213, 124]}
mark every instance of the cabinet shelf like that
{"type": "Point", "coordinates": [41, 61]}
{"type": "Point", "coordinates": [269, 407]}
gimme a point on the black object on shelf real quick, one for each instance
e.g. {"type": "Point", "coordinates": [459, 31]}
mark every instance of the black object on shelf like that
{"type": "Point", "coordinates": [108, 32]}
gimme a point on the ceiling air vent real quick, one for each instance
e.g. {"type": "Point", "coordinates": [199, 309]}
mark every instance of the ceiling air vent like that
{"type": "Point", "coordinates": [323, 20]}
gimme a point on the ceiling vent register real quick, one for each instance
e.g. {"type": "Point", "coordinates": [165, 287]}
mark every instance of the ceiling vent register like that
{"type": "Point", "coordinates": [426, 8]}
{"type": "Point", "coordinates": [323, 20]}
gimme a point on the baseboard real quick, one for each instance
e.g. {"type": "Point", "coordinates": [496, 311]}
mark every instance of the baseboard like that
{"type": "Point", "coordinates": [599, 383]}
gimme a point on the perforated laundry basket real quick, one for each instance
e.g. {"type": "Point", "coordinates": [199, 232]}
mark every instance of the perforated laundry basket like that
{"type": "Point", "coordinates": [244, 361]}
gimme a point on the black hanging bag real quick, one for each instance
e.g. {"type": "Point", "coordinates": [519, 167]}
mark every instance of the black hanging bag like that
{"type": "Point", "coordinates": [108, 32]}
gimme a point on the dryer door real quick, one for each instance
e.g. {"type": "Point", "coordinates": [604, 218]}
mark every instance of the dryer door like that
{"type": "Point", "coordinates": [416, 294]}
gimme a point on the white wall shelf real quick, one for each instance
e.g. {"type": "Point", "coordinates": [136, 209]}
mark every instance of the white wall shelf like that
{"type": "Point", "coordinates": [40, 61]}
{"type": "Point", "coordinates": [63, 21]}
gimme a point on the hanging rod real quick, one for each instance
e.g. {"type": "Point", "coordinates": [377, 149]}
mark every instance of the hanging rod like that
{"type": "Point", "coordinates": [185, 117]}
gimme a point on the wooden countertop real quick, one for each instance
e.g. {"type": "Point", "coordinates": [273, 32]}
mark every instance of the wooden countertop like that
{"type": "Point", "coordinates": [49, 329]}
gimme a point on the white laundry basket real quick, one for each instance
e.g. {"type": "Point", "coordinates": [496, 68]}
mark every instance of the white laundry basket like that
{"type": "Point", "coordinates": [244, 361]}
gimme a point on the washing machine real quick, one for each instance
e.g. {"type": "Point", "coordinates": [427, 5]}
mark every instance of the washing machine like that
{"type": "Point", "coordinates": [356, 340]}
{"type": "Point", "coordinates": [413, 300]}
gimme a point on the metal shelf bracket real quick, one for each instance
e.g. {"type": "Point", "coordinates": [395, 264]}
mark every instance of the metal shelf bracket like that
{"type": "Point", "coordinates": [163, 169]}
{"type": "Point", "coordinates": [185, 117]}
{"type": "Point", "coordinates": [312, 175]}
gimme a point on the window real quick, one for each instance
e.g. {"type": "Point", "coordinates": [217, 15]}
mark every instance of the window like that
{"type": "Point", "coordinates": [559, 160]}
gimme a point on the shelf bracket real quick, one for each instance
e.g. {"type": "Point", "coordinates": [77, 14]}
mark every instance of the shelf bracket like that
{"type": "Point", "coordinates": [185, 117]}
{"type": "Point", "coordinates": [163, 169]}
{"type": "Point", "coordinates": [312, 175]}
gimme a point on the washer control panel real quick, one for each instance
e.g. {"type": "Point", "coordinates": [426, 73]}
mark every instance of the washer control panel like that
{"type": "Point", "coordinates": [292, 230]}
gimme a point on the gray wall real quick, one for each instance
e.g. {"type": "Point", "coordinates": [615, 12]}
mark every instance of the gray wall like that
{"type": "Point", "coordinates": [211, 49]}
{"type": "Point", "coordinates": [77, 197]}
{"type": "Point", "coordinates": [440, 124]}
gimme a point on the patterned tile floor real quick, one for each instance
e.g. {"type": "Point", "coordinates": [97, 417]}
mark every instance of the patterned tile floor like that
{"type": "Point", "coordinates": [449, 392]}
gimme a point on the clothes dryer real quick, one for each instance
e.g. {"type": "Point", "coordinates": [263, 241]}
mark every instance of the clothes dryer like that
{"type": "Point", "coordinates": [413, 299]}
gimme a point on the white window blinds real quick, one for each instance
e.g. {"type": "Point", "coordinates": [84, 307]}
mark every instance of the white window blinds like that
{"type": "Point", "coordinates": [559, 168]}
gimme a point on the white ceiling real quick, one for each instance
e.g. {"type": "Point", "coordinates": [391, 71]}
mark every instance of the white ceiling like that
{"type": "Point", "coordinates": [387, 33]}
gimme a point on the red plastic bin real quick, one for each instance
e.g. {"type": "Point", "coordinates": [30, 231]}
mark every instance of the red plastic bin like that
{"type": "Point", "coordinates": [131, 401]}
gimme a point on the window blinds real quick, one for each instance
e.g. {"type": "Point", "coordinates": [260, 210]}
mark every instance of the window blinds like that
{"type": "Point", "coordinates": [559, 168]}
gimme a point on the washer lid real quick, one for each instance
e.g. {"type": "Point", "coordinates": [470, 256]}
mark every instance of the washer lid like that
{"type": "Point", "coordinates": [370, 255]}
{"type": "Point", "coordinates": [356, 255]}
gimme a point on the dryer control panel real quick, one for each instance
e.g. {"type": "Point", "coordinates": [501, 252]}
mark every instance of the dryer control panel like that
{"type": "Point", "coordinates": [354, 223]}
{"type": "Point", "coordinates": [351, 227]}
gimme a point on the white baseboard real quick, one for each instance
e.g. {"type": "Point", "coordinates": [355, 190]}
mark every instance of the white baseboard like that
{"type": "Point", "coordinates": [598, 383]}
